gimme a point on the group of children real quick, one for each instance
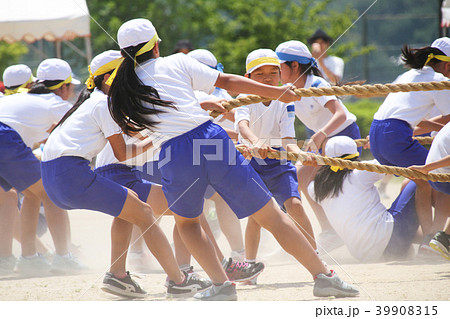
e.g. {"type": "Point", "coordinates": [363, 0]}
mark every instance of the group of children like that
{"type": "Point", "coordinates": [146, 120]}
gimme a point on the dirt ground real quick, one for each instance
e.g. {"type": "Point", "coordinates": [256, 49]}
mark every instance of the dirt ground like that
{"type": "Point", "coordinates": [416, 279]}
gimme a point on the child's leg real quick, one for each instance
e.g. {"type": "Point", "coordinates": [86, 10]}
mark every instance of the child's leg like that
{"type": "Point", "coordinates": [158, 202]}
{"type": "Point", "coordinates": [182, 254]}
{"type": "Point", "coordinates": [141, 214]}
{"type": "Point", "coordinates": [424, 207]}
{"type": "Point", "coordinates": [136, 241]}
{"type": "Point", "coordinates": [289, 237]}
{"type": "Point", "coordinates": [229, 223]}
{"type": "Point", "coordinates": [209, 233]}
{"type": "Point", "coordinates": [252, 239]}
{"type": "Point", "coordinates": [29, 216]}
{"type": "Point", "coordinates": [441, 210]}
{"type": "Point", "coordinates": [8, 213]}
{"type": "Point", "coordinates": [120, 240]}
{"type": "Point", "coordinates": [295, 210]}
{"type": "Point", "coordinates": [201, 247]}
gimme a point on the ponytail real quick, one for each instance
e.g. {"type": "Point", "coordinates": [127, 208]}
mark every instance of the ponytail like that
{"type": "Point", "coordinates": [416, 58]}
{"type": "Point", "coordinates": [83, 96]}
{"type": "Point", "coordinates": [127, 94]}
{"type": "Point", "coordinates": [328, 183]}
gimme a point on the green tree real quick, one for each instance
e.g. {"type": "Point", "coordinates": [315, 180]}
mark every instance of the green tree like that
{"type": "Point", "coordinates": [230, 29]}
{"type": "Point", "coordinates": [10, 54]}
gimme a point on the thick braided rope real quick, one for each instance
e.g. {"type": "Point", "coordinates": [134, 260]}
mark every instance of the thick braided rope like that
{"type": "Point", "coordinates": [373, 90]}
{"type": "Point", "coordinates": [382, 169]}
{"type": "Point", "coordinates": [424, 140]}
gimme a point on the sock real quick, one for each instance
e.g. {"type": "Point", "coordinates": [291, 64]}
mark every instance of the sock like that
{"type": "Point", "coordinates": [238, 254]}
{"type": "Point", "coordinates": [66, 255]}
{"type": "Point", "coordinates": [224, 262]}
{"type": "Point", "coordinates": [185, 267]}
{"type": "Point", "coordinates": [120, 276]}
{"type": "Point", "coordinates": [250, 260]}
{"type": "Point", "coordinates": [179, 283]}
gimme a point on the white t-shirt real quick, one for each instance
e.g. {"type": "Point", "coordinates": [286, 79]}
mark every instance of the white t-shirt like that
{"type": "Point", "coordinates": [218, 93]}
{"type": "Point", "coordinates": [413, 107]}
{"type": "Point", "coordinates": [32, 115]}
{"type": "Point", "coordinates": [334, 64]}
{"type": "Point", "coordinates": [176, 77]}
{"type": "Point", "coordinates": [358, 216]}
{"type": "Point", "coordinates": [85, 132]}
{"type": "Point", "coordinates": [312, 111]}
{"type": "Point", "coordinates": [269, 123]}
{"type": "Point", "coordinates": [440, 149]}
{"type": "Point", "coordinates": [106, 156]}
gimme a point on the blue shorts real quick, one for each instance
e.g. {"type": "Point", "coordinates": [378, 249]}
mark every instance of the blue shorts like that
{"type": "Point", "coordinates": [150, 172]}
{"type": "Point", "coordinates": [406, 222]}
{"type": "Point", "coordinates": [391, 143]}
{"type": "Point", "coordinates": [71, 184]}
{"type": "Point", "coordinates": [280, 177]}
{"type": "Point", "coordinates": [441, 187]}
{"type": "Point", "coordinates": [19, 168]}
{"type": "Point", "coordinates": [351, 131]}
{"type": "Point", "coordinates": [126, 176]}
{"type": "Point", "coordinates": [207, 156]}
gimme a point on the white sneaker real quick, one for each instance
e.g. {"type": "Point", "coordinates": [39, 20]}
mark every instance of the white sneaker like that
{"type": "Point", "coordinates": [332, 285]}
{"type": "Point", "coordinates": [327, 241]}
{"type": "Point", "coordinates": [67, 265]}
{"type": "Point", "coordinates": [7, 265]}
{"type": "Point", "coordinates": [32, 266]}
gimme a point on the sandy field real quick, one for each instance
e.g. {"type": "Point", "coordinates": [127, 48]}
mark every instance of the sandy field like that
{"type": "Point", "coordinates": [417, 279]}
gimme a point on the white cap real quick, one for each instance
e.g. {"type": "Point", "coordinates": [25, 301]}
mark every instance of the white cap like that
{"type": "Point", "coordinates": [340, 145]}
{"type": "Point", "coordinates": [134, 32]}
{"type": "Point", "coordinates": [442, 44]}
{"type": "Point", "coordinates": [204, 56]}
{"type": "Point", "coordinates": [103, 58]}
{"type": "Point", "coordinates": [16, 75]}
{"type": "Point", "coordinates": [293, 48]}
{"type": "Point", "coordinates": [259, 58]}
{"type": "Point", "coordinates": [55, 69]}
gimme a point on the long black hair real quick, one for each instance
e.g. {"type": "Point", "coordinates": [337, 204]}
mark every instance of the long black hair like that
{"type": "Point", "coordinates": [127, 94]}
{"type": "Point", "coordinates": [309, 68]}
{"type": "Point", "coordinates": [43, 87]}
{"type": "Point", "coordinates": [328, 183]}
{"type": "Point", "coordinates": [83, 96]}
{"type": "Point", "coordinates": [416, 58]}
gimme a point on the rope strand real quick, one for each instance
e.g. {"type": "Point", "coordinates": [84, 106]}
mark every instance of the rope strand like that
{"type": "Point", "coordinates": [331, 161]}
{"type": "Point", "coordinates": [373, 90]}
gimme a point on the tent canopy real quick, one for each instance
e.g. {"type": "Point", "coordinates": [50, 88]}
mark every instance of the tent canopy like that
{"type": "Point", "coordinates": [51, 20]}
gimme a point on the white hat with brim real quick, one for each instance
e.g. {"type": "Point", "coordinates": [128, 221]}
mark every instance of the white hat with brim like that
{"type": "Point", "coordinates": [104, 58]}
{"type": "Point", "coordinates": [204, 56]}
{"type": "Point", "coordinates": [259, 58]}
{"type": "Point", "coordinates": [135, 32]}
{"type": "Point", "coordinates": [442, 44]}
{"type": "Point", "coordinates": [16, 75]}
{"type": "Point", "coordinates": [338, 146]}
{"type": "Point", "coordinates": [293, 51]}
{"type": "Point", "coordinates": [55, 70]}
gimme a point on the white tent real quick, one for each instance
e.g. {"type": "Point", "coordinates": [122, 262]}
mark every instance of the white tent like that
{"type": "Point", "coordinates": [51, 20]}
